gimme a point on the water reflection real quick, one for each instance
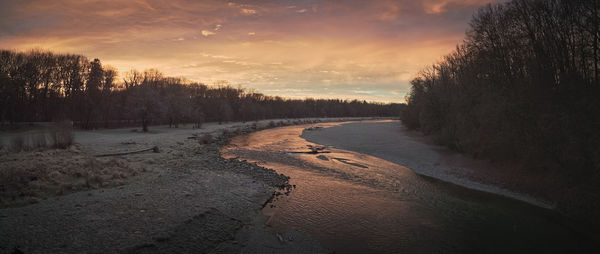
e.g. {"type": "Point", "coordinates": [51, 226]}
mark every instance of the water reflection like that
{"type": "Point", "coordinates": [356, 203]}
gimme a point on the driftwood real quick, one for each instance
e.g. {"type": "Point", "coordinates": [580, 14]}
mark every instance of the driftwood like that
{"type": "Point", "coordinates": [316, 152]}
{"type": "Point", "coordinates": [313, 128]}
{"type": "Point", "coordinates": [315, 149]}
{"type": "Point", "coordinates": [153, 149]}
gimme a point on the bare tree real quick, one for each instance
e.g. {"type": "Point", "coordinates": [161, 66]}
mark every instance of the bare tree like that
{"type": "Point", "coordinates": [144, 104]}
{"type": "Point", "coordinates": [523, 86]}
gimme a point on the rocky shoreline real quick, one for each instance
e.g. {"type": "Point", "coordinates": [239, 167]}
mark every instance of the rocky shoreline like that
{"type": "Point", "coordinates": [187, 199]}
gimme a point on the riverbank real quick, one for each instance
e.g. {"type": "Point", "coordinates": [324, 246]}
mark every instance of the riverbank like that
{"type": "Point", "coordinates": [391, 141]}
{"type": "Point", "coordinates": [356, 202]}
{"type": "Point", "coordinates": [182, 198]}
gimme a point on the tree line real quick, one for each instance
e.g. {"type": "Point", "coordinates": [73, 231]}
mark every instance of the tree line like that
{"type": "Point", "coordinates": [523, 86]}
{"type": "Point", "coordinates": [44, 86]}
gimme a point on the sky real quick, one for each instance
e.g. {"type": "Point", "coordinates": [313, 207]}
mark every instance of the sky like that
{"type": "Point", "coordinates": [354, 49]}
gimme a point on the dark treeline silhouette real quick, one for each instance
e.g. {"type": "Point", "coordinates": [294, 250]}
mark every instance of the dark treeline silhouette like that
{"type": "Point", "coordinates": [43, 86]}
{"type": "Point", "coordinates": [524, 87]}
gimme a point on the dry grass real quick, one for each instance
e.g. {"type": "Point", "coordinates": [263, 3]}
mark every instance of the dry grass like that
{"type": "Point", "coordinates": [17, 143]}
{"type": "Point", "coordinates": [39, 140]}
{"type": "Point", "coordinates": [62, 134]}
{"type": "Point", "coordinates": [29, 176]}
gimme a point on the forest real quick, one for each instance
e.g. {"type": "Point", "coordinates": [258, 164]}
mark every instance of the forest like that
{"type": "Point", "coordinates": [38, 86]}
{"type": "Point", "coordinates": [522, 87]}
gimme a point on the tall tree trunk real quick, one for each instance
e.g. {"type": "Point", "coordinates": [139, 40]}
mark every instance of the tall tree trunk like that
{"type": "Point", "coordinates": [595, 32]}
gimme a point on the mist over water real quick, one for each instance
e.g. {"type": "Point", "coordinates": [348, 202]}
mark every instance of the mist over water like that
{"type": "Point", "coordinates": [356, 203]}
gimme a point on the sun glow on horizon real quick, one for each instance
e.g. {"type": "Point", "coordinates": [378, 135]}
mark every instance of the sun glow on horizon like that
{"type": "Point", "coordinates": [320, 49]}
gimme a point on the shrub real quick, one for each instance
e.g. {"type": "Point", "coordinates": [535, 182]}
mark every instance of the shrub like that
{"type": "Point", "coordinates": [62, 134]}
{"type": "Point", "coordinates": [17, 143]}
{"type": "Point", "coordinates": [39, 141]}
{"type": "Point", "coordinates": [205, 139]}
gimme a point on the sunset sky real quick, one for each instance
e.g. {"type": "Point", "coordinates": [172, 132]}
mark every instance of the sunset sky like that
{"type": "Point", "coordinates": [325, 49]}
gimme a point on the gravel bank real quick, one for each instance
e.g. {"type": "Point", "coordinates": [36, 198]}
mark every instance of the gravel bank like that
{"type": "Point", "coordinates": [184, 199]}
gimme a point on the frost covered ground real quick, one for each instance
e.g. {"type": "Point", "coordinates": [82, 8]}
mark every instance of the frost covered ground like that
{"type": "Point", "coordinates": [185, 198]}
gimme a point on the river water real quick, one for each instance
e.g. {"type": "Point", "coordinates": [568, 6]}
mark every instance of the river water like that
{"type": "Point", "coordinates": [356, 203]}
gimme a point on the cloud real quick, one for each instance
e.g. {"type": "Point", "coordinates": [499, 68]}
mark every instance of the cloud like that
{"type": "Point", "coordinates": [361, 50]}
{"type": "Point", "coordinates": [435, 7]}
{"type": "Point", "coordinates": [247, 11]}
{"type": "Point", "coordinates": [207, 33]}
{"type": "Point", "coordinates": [441, 6]}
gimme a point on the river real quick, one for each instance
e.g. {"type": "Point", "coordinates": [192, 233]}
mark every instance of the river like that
{"type": "Point", "coordinates": [356, 203]}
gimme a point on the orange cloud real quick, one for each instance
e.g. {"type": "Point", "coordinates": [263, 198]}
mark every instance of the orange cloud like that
{"type": "Point", "coordinates": [440, 6]}
{"type": "Point", "coordinates": [206, 33]}
{"type": "Point", "coordinates": [247, 11]}
{"type": "Point", "coordinates": [347, 49]}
